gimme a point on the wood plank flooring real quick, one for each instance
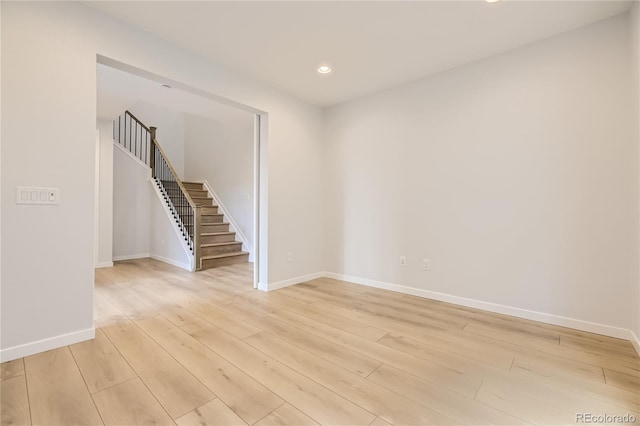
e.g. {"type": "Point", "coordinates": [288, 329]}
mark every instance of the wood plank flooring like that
{"type": "Point", "coordinates": [205, 348]}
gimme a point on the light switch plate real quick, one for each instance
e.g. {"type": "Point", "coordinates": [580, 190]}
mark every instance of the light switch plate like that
{"type": "Point", "coordinates": [37, 195]}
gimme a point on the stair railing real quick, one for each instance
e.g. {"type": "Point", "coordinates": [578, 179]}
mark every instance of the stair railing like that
{"type": "Point", "coordinates": [141, 141]}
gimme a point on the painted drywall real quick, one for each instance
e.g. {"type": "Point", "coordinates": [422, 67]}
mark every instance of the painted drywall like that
{"type": "Point", "coordinates": [49, 140]}
{"type": "Point", "coordinates": [142, 226]}
{"type": "Point", "coordinates": [105, 194]}
{"type": "Point", "coordinates": [222, 154]}
{"type": "Point", "coordinates": [169, 132]}
{"type": "Point", "coordinates": [634, 16]}
{"type": "Point", "coordinates": [516, 176]}
{"type": "Point", "coordinates": [165, 244]}
{"type": "Point", "coordinates": [131, 207]}
{"type": "Point", "coordinates": [0, 188]}
{"type": "Point", "coordinates": [49, 52]}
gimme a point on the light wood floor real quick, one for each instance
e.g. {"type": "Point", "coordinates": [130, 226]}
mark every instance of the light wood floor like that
{"type": "Point", "coordinates": [205, 348]}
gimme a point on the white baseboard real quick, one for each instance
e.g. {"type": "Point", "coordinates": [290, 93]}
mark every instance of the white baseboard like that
{"type": "Point", "coordinates": [176, 230]}
{"type": "Point", "coordinates": [173, 262]}
{"type": "Point", "coordinates": [607, 330]}
{"type": "Point", "coordinates": [153, 256]}
{"type": "Point", "coordinates": [104, 265]}
{"type": "Point", "coordinates": [292, 281]}
{"type": "Point", "coordinates": [27, 349]}
{"type": "Point", "coordinates": [635, 341]}
{"type": "Point", "coordinates": [131, 257]}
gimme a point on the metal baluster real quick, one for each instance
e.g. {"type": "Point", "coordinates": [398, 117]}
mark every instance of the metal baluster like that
{"type": "Point", "coordinates": [135, 146]}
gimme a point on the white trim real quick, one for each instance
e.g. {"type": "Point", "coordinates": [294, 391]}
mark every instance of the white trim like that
{"type": "Point", "coordinates": [635, 341]}
{"type": "Point", "coordinates": [174, 226]}
{"type": "Point", "coordinates": [96, 202]}
{"type": "Point", "coordinates": [256, 200]}
{"type": "Point", "coordinates": [173, 262]}
{"type": "Point", "coordinates": [104, 265]}
{"type": "Point", "coordinates": [133, 157]}
{"type": "Point", "coordinates": [131, 256]}
{"type": "Point", "coordinates": [607, 330]}
{"type": "Point", "coordinates": [233, 225]}
{"type": "Point", "coordinates": [43, 345]}
{"type": "Point", "coordinates": [262, 196]}
{"type": "Point", "coordinates": [293, 281]}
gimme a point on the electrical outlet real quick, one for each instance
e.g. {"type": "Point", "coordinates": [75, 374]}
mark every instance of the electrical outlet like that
{"type": "Point", "coordinates": [403, 261]}
{"type": "Point", "coordinates": [289, 257]}
{"type": "Point", "coordinates": [426, 264]}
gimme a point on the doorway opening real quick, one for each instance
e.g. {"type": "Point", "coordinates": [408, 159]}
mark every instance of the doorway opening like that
{"type": "Point", "coordinates": [215, 145]}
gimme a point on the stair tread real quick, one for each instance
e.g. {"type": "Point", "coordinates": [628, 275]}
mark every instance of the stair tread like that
{"type": "Point", "coordinates": [212, 214]}
{"type": "Point", "coordinates": [208, 234]}
{"type": "Point", "coordinates": [223, 255]}
{"type": "Point", "coordinates": [226, 243]}
{"type": "Point", "coordinates": [213, 224]}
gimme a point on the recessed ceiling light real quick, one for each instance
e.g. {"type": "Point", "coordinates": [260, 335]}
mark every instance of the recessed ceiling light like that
{"type": "Point", "coordinates": [166, 86]}
{"type": "Point", "coordinates": [324, 69]}
{"type": "Point", "coordinates": [492, 1]}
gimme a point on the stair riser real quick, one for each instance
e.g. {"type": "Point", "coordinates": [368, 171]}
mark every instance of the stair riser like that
{"type": "Point", "coordinates": [175, 194]}
{"type": "Point", "coordinates": [212, 219]}
{"type": "Point", "coordinates": [195, 186]}
{"type": "Point", "coordinates": [198, 194]}
{"type": "Point", "coordinates": [209, 210]}
{"type": "Point", "coordinates": [211, 239]}
{"type": "Point", "coordinates": [214, 263]}
{"type": "Point", "coordinates": [212, 251]}
{"type": "Point", "coordinates": [169, 186]}
{"type": "Point", "coordinates": [214, 227]}
{"type": "Point", "coordinates": [203, 201]}
{"type": "Point", "coordinates": [193, 194]}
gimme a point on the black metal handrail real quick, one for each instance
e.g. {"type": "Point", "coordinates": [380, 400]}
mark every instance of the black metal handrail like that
{"type": "Point", "coordinates": [133, 136]}
{"type": "Point", "coordinates": [140, 141]}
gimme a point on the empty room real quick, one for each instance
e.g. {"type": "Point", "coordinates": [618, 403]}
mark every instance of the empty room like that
{"type": "Point", "coordinates": [320, 212]}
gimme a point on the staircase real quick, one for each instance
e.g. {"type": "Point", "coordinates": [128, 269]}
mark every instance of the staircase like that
{"type": "Point", "coordinates": [218, 245]}
{"type": "Point", "coordinates": [204, 230]}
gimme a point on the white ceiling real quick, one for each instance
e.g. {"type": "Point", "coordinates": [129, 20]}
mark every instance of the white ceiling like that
{"type": "Point", "coordinates": [119, 90]}
{"type": "Point", "coordinates": [371, 45]}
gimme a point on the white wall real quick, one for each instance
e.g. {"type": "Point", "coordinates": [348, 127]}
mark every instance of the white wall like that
{"type": "Point", "coordinates": [44, 133]}
{"type": "Point", "coordinates": [517, 176]}
{"type": "Point", "coordinates": [634, 16]}
{"type": "Point", "coordinates": [222, 154]}
{"type": "Point", "coordinates": [131, 207]}
{"type": "Point", "coordinates": [142, 226]}
{"type": "Point", "coordinates": [165, 244]}
{"type": "Point", "coordinates": [169, 133]}
{"type": "Point", "coordinates": [105, 193]}
{"type": "Point", "coordinates": [0, 191]}
{"type": "Point", "coordinates": [49, 52]}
